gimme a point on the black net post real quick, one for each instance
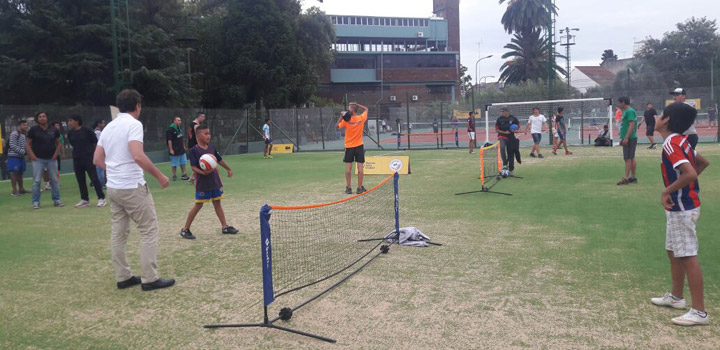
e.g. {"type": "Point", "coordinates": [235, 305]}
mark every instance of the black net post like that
{"type": "Point", "coordinates": [297, 129]}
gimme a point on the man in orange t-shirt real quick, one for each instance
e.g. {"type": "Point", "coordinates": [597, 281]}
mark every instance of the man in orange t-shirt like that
{"type": "Point", "coordinates": [354, 123]}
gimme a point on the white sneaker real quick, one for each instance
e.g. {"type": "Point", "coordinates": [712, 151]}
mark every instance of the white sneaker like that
{"type": "Point", "coordinates": [82, 204]}
{"type": "Point", "coordinates": [692, 318]}
{"type": "Point", "coordinates": [101, 202]}
{"type": "Point", "coordinates": [669, 300]}
{"type": "Point", "coordinates": [47, 186]}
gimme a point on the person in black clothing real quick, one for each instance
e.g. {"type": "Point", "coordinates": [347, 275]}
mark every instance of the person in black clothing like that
{"type": "Point", "coordinates": [83, 141]}
{"type": "Point", "coordinates": [176, 148]}
{"type": "Point", "coordinates": [649, 117]}
{"type": "Point", "coordinates": [43, 146]}
{"type": "Point", "coordinates": [507, 139]}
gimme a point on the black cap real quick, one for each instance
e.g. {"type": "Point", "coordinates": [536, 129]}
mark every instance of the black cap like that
{"type": "Point", "coordinates": [347, 116]}
{"type": "Point", "coordinates": [678, 91]}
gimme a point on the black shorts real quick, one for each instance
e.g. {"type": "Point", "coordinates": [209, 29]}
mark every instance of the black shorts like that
{"type": "Point", "coordinates": [355, 154]}
{"type": "Point", "coordinates": [650, 129]}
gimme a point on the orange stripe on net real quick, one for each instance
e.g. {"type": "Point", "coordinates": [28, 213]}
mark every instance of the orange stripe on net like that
{"type": "Point", "coordinates": [335, 202]}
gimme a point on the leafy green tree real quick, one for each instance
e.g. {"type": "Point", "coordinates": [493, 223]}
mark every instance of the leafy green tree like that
{"type": "Point", "coordinates": [528, 58]}
{"type": "Point", "coordinates": [522, 16]}
{"type": "Point", "coordinates": [684, 55]}
{"type": "Point", "coordinates": [608, 56]}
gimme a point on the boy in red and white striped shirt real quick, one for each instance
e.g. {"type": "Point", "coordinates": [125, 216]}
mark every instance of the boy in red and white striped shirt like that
{"type": "Point", "coordinates": [681, 166]}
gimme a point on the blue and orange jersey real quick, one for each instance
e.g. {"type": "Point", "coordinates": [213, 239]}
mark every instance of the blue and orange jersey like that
{"type": "Point", "coordinates": [677, 151]}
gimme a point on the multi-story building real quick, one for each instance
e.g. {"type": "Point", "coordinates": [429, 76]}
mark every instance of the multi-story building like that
{"type": "Point", "coordinates": [390, 60]}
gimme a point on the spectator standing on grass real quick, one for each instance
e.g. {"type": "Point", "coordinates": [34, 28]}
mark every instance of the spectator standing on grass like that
{"type": "Point", "coordinates": [712, 115]}
{"type": "Point", "coordinates": [83, 141]}
{"type": "Point", "coordinates": [536, 124]}
{"type": "Point", "coordinates": [680, 95]}
{"type": "Point", "coordinates": [17, 143]}
{"type": "Point", "coordinates": [471, 131]}
{"type": "Point", "coordinates": [681, 167]}
{"type": "Point", "coordinates": [43, 147]}
{"type": "Point", "coordinates": [120, 152]}
{"type": "Point", "coordinates": [267, 148]}
{"type": "Point", "coordinates": [176, 148]}
{"type": "Point", "coordinates": [649, 117]}
{"type": "Point", "coordinates": [98, 126]}
{"type": "Point", "coordinates": [628, 139]}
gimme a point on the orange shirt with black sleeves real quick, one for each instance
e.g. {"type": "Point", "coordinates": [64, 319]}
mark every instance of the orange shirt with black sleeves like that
{"type": "Point", "coordinates": [353, 129]}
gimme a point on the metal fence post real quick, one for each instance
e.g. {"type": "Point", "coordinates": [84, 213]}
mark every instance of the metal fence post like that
{"type": "Point", "coordinates": [407, 105]}
{"type": "Point", "coordinates": [442, 141]}
{"type": "Point", "coordinates": [322, 130]}
{"type": "Point", "coordinates": [297, 129]}
{"type": "Point", "coordinates": [247, 130]}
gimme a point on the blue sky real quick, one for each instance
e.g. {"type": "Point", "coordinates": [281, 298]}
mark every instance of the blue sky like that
{"type": "Point", "coordinates": [607, 24]}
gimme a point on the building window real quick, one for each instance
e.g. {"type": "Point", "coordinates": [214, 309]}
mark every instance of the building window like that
{"type": "Point", "coordinates": [438, 89]}
{"type": "Point", "coordinates": [419, 61]}
{"type": "Point", "coordinates": [367, 62]}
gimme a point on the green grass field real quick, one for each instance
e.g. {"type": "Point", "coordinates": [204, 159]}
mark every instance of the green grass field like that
{"type": "Point", "coordinates": [569, 262]}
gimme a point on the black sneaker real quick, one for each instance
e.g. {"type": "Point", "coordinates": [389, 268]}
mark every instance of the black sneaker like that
{"type": "Point", "coordinates": [185, 233]}
{"type": "Point", "coordinates": [632, 180]}
{"type": "Point", "coordinates": [348, 190]}
{"type": "Point", "coordinates": [185, 177]}
{"type": "Point", "coordinates": [540, 156]}
{"type": "Point", "coordinates": [160, 283]}
{"type": "Point", "coordinates": [132, 281]}
{"type": "Point", "coordinates": [229, 230]}
{"type": "Point", "coordinates": [174, 177]}
{"type": "Point", "coordinates": [532, 155]}
{"type": "Point", "coordinates": [361, 189]}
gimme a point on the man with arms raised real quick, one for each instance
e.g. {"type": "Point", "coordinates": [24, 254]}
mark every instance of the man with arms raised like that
{"type": "Point", "coordinates": [354, 123]}
{"type": "Point", "coordinates": [120, 152]}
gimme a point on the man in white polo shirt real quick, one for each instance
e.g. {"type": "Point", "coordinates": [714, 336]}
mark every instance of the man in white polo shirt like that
{"type": "Point", "coordinates": [120, 152]}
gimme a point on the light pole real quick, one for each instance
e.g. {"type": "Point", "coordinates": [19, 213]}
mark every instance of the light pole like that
{"type": "Point", "coordinates": [476, 80]}
{"type": "Point", "coordinates": [568, 38]}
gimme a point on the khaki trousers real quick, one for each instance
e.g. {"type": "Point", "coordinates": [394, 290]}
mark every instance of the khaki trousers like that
{"type": "Point", "coordinates": [136, 205]}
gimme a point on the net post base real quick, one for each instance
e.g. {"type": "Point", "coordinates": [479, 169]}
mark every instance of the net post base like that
{"type": "Point", "coordinates": [273, 326]}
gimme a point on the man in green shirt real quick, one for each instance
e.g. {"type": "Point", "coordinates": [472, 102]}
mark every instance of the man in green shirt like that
{"type": "Point", "coordinates": [628, 139]}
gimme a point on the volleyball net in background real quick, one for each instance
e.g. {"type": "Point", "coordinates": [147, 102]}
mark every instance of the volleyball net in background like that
{"type": "Point", "coordinates": [305, 245]}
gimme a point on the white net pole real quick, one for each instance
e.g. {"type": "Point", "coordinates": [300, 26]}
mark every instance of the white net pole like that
{"type": "Point", "coordinates": [487, 126]}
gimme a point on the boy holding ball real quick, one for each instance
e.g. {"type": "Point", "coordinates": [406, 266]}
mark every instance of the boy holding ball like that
{"type": "Point", "coordinates": [208, 186]}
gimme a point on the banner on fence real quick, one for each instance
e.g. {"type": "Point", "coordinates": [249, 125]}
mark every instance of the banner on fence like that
{"type": "Point", "coordinates": [386, 165]}
{"type": "Point", "coordinates": [695, 102]}
{"type": "Point", "coordinates": [282, 148]}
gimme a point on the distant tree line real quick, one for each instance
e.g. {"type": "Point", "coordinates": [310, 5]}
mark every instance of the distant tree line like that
{"type": "Point", "coordinates": [259, 52]}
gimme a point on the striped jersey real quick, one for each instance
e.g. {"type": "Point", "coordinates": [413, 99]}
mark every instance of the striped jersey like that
{"type": "Point", "coordinates": [16, 145]}
{"type": "Point", "coordinates": [676, 151]}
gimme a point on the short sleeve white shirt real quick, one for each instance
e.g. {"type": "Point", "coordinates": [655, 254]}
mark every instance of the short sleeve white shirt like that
{"type": "Point", "coordinates": [536, 123]}
{"type": "Point", "coordinates": [121, 170]}
{"type": "Point", "coordinates": [266, 131]}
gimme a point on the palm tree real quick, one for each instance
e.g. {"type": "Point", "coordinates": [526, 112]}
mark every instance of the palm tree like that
{"type": "Point", "coordinates": [523, 15]}
{"type": "Point", "coordinates": [529, 59]}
